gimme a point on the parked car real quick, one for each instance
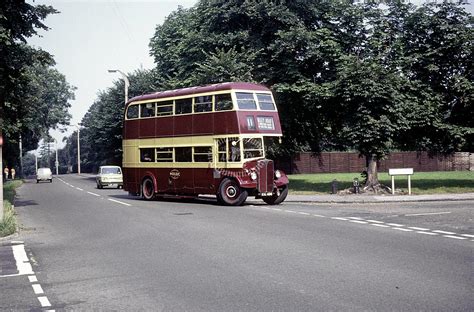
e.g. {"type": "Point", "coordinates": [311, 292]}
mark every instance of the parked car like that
{"type": "Point", "coordinates": [109, 176]}
{"type": "Point", "coordinates": [44, 174]}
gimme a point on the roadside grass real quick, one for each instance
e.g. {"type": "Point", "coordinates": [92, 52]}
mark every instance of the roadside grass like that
{"type": "Point", "coordinates": [439, 182]}
{"type": "Point", "coordinates": [8, 223]}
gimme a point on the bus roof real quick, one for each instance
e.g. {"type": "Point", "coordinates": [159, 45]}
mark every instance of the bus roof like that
{"type": "Point", "coordinates": [201, 89]}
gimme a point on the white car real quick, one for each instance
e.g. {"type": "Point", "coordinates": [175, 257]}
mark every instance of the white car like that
{"type": "Point", "coordinates": [44, 174]}
{"type": "Point", "coordinates": [109, 176]}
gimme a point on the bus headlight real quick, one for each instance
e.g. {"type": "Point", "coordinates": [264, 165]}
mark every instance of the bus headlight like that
{"type": "Point", "coordinates": [253, 175]}
{"type": "Point", "coordinates": [277, 174]}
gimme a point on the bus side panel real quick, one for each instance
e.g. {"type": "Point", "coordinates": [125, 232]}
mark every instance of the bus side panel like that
{"type": "Point", "coordinates": [130, 182]}
{"type": "Point", "coordinates": [164, 126]}
{"type": "Point", "coordinates": [202, 124]}
{"type": "Point", "coordinates": [226, 123]}
{"type": "Point", "coordinates": [131, 128]}
{"type": "Point", "coordinates": [204, 182]}
{"type": "Point", "coordinates": [184, 183]}
{"type": "Point", "coordinates": [183, 125]}
{"type": "Point", "coordinates": [147, 128]}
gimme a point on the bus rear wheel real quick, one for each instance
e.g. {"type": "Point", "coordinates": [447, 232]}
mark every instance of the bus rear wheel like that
{"type": "Point", "coordinates": [277, 199]}
{"type": "Point", "coordinates": [148, 189]}
{"type": "Point", "coordinates": [230, 193]}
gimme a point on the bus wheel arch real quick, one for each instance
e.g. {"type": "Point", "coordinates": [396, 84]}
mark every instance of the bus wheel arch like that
{"type": "Point", "coordinates": [148, 187]}
{"type": "Point", "coordinates": [277, 198]}
{"type": "Point", "coordinates": [230, 193]}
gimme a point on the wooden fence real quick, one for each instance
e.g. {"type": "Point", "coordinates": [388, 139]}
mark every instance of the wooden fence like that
{"type": "Point", "coordinates": [330, 162]}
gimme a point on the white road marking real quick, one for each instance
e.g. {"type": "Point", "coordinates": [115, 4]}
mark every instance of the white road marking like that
{"type": "Point", "coordinates": [395, 224]}
{"type": "Point", "coordinates": [319, 216]}
{"type": "Point", "coordinates": [277, 209]}
{"type": "Point", "coordinates": [44, 301]}
{"type": "Point", "coordinates": [355, 218]}
{"type": "Point", "coordinates": [381, 225]}
{"type": "Point", "coordinates": [402, 229]}
{"type": "Point", "coordinates": [37, 289]}
{"type": "Point", "coordinates": [119, 202]}
{"type": "Point", "coordinates": [444, 232]}
{"type": "Point", "coordinates": [71, 185]}
{"type": "Point", "coordinates": [455, 237]}
{"type": "Point", "coordinates": [427, 214]}
{"type": "Point", "coordinates": [22, 262]}
{"type": "Point", "coordinates": [77, 188]}
{"type": "Point", "coordinates": [357, 221]}
{"type": "Point", "coordinates": [375, 221]}
{"type": "Point", "coordinates": [427, 233]}
{"type": "Point", "coordinates": [337, 218]}
{"type": "Point", "coordinates": [304, 213]}
{"type": "Point", "coordinates": [468, 235]}
{"type": "Point", "coordinates": [32, 278]}
{"type": "Point", "coordinates": [290, 211]}
{"type": "Point", "coordinates": [93, 194]}
{"type": "Point", "coordinates": [418, 228]}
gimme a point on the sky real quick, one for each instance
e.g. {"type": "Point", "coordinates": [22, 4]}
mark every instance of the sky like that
{"type": "Point", "coordinates": [89, 37]}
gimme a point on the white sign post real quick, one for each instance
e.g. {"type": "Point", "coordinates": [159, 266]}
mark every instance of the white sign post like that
{"type": "Point", "coordinates": [401, 171]}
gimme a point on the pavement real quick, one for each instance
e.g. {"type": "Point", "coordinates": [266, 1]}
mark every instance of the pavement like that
{"type": "Point", "coordinates": [365, 198]}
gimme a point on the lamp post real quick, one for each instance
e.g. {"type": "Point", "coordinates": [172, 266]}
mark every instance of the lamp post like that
{"type": "Point", "coordinates": [125, 79]}
{"type": "Point", "coordinates": [56, 162]}
{"type": "Point", "coordinates": [78, 149]}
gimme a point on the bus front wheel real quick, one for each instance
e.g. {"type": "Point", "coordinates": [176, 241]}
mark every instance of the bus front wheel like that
{"type": "Point", "coordinates": [277, 199]}
{"type": "Point", "coordinates": [230, 193]}
{"type": "Point", "coordinates": [148, 189]}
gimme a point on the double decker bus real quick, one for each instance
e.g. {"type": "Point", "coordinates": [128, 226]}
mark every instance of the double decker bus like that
{"type": "Point", "coordinates": [203, 140]}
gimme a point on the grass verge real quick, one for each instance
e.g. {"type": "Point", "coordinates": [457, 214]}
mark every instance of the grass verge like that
{"type": "Point", "coordinates": [8, 223]}
{"type": "Point", "coordinates": [439, 182]}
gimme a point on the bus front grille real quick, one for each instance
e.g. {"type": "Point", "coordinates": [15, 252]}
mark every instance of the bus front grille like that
{"type": "Point", "coordinates": [265, 176]}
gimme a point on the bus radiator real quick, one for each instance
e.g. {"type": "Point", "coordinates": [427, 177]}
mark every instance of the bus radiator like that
{"type": "Point", "coordinates": [265, 176]}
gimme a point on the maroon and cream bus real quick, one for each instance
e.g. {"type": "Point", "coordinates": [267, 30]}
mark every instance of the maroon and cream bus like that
{"type": "Point", "coordinates": [203, 140]}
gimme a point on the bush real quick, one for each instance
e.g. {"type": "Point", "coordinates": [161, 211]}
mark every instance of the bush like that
{"type": "Point", "coordinates": [8, 223]}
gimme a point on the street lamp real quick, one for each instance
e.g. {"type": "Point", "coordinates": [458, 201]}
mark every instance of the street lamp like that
{"type": "Point", "coordinates": [78, 148]}
{"type": "Point", "coordinates": [56, 162]}
{"type": "Point", "coordinates": [125, 79]}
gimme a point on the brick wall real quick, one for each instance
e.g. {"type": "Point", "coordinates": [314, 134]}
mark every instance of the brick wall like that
{"type": "Point", "coordinates": [351, 162]}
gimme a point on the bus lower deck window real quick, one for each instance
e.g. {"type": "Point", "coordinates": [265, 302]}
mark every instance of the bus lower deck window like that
{"type": "Point", "coordinates": [183, 154]}
{"type": "Point", "coordinates": [147, 154]}
{"type": "Point", "coordinates": [203, 154]}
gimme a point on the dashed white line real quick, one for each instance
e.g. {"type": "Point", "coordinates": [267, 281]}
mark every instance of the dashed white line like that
{"type": "Point", "coordinates": [355, 218]}
{"type": "Point", "coordinates": [119, 202]}
{"type": "Point", "coordinates": [277, 209]}
{"type": "Point", "coordinates": [37, 289]}
{"type": "Point", "coordinates": [44, 301]}
{"type": "Point", "coordinates": [77, 188]}
{"type": "Point", "coordinates": [304, 213]}
{"type": "Point", "coordinates": [444, 232]}
{"type": "Point", "coordinates": [381, 225]}
{"type": "Point", "coordinates": [338, 218]}
{"type": "Point", "coordinates": [468, 235]}
{"type": "Point", "coordinates": [395, 224]}
{"type": "Point", "coordinates": [375, 221]}
{"type": "Point", "coordinates": [357, 221]}
{"type": "Point", "coordinates": [401, 229]}
{"type": "Point", "coordinates": [427, 214]}
{"type": "Point", "coordinates": [290, 211]}
{"type": "Point", "coordinates": [32, 278]}
{"type": "Point", "coordinates": [418, 228]}
{"type": "Point", "coordinates": [319, 216]}
{"type": "Point", "coordinates": [427, 233]}
{"type": "Point", "coordinates": [455, 237]}
{"type": "Point", "coordinates": [93, 194]}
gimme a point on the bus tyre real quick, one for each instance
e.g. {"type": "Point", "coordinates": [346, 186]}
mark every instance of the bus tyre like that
{"type": "Point", "coordinates": [148, 189]}
{"type": "Point", "coordinates": [230, 193]}
{"type": "Point", "coordinates": [277, 199]}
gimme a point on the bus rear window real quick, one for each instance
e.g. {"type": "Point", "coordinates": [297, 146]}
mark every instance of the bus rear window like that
{"type": "Point", "coordinates": [265, 101]}
{"type": "Point", "coordinates": [132, 112]}
{"type": "Point", "coordinates": [184, 106]}
{"type": "Point", "coordinates": [246, 100]}
{"type": "Point", "coordinates": [223, 102]}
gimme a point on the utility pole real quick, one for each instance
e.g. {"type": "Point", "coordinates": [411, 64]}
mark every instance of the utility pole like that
{"type": "Point", "coordinates": [56, 162]}
{"type": "Point", "coordinates": [78, 150]}
{"type": "Point", "coordinates": [21, 158]}
{"type": "Point", "coordinates": [1, 180]}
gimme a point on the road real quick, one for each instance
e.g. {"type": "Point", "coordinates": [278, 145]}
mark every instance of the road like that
{"type": "Point", "coordinates": [93, 249]}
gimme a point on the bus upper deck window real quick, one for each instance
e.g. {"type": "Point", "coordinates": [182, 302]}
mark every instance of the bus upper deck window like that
{"type": "Point", "coordinates": [147, 110]}
{"type": "Point", "coordinates": [223, 102]}
{"type": "Point", "coordinates": [164, 108]}
{"type": "Point", "coordinates": [265, 101]}
{"type": "Point", "coordinates": [246, 100]}
{"type": "Point", "coordinates": [203, 104]}
{"type": "Point", "coordinates": [132, 112]}
{"type": "Point", "coordinates": [184, 106]}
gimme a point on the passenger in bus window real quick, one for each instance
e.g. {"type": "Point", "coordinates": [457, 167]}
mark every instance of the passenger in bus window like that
{"type": "Point", "coordinates": [235, 151]}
